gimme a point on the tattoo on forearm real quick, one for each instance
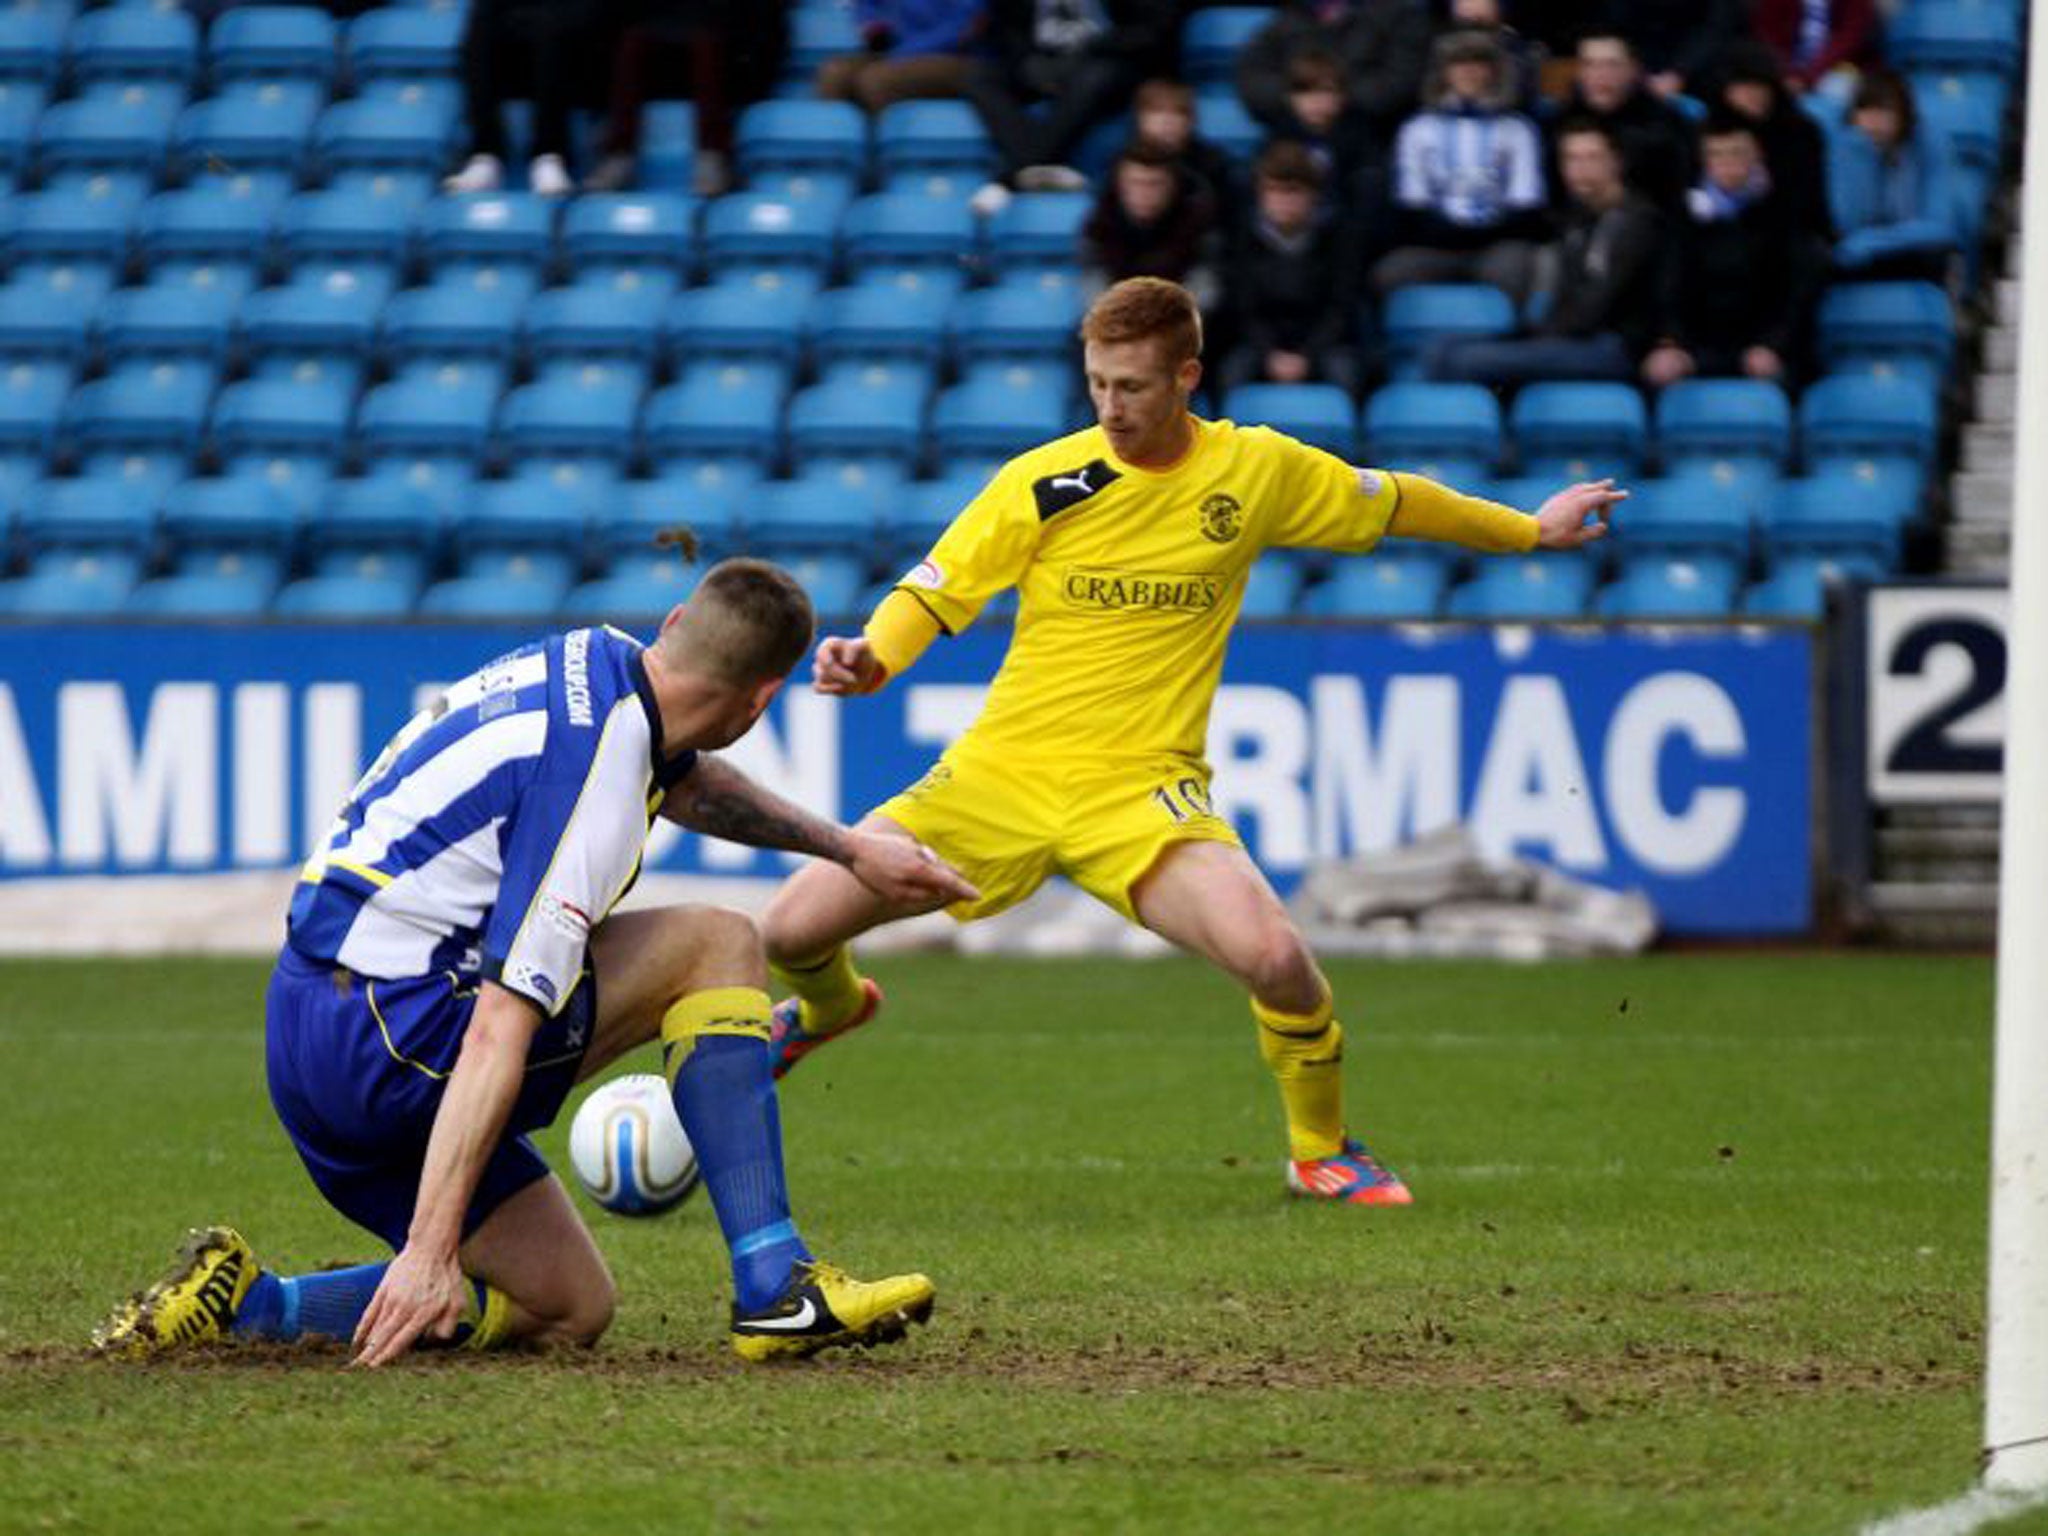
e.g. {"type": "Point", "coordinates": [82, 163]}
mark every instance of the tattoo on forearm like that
{"type": "Point", "coordinates": [724, 803]}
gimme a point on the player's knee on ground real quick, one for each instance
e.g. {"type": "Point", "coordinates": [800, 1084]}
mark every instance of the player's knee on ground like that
{"type": "Point", "coordinates": [581, 1314]}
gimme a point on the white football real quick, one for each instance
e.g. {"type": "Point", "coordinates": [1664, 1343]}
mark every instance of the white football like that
{"type": "Point", "coordinates": [628, 1147]}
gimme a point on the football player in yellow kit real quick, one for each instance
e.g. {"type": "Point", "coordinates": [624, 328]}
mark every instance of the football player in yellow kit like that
{"type": "Point", "coordinates": [1129, 543]}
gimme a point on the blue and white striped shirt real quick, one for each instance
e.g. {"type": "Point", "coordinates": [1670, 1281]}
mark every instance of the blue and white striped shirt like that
{"type": "Point", "coordinates": [499, 826]}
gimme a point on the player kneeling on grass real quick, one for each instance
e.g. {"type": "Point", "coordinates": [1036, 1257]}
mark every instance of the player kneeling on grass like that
{"type": "Point", "coordinates": [1129, 544]}
{"type": "Point", "coordinates": [450, 971]}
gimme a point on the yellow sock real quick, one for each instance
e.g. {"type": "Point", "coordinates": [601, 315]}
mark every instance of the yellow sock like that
{"type": "Point", "coordinates": [829, 989]}
{"type": "Point", "coordinates": [493, 1327]}
{"type": "Point", "coordinates": [714, 1011]}
{"type": "Point", "coordinates": [1306, 1054]}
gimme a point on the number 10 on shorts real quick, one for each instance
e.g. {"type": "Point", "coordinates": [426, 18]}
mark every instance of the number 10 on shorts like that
{"type": "Point", "coordinates": [1184, 799]}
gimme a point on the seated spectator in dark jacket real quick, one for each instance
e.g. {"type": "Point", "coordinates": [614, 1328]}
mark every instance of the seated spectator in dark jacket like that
{"type": "Point", "coordinates": [1795, 148]}
{"type": "Point", "coordinates": [1890, 186]}
{"type": "Point", "coordinates": [915, 49]}
{"type": "Point", "coordinates": [1383, 44]}
{"type": "Point", "coordinates": [1599, 286]}
{"type": "Point", "coordinates": [1163, 116]}
{"type": "Point", "coordinates": [1322, 119]}
{"type": "Point", "coordinates": [1680, 42]}
{"type": "Point", "coordinates": [1058, 68]}
{"type": "Point", "coordinates": [1811, 41]}
{"type": "Point", "coordinates": [1524, 56]}
{"type": "Point", "coordinates": [1151, 221]}
{"type": "Point", "coordinates": [1744, 277]}
{"type": "Point", "coordinates": [1293, 289]}
{"type": "Point", "coordinates": [1468, 180]}
{"type": "Point", "coordinates": [1655, 138]}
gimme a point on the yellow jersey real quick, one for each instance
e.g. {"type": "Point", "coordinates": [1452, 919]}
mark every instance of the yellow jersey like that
{"type": "Point", "coordinates": [1129, 579]}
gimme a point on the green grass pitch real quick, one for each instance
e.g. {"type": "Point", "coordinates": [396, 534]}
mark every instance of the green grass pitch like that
{"type": "Point", "coordinates": [1698, 1247]}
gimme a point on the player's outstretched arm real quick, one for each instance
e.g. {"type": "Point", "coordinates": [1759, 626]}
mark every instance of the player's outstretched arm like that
{"type": "Point", "coordinates": [715, 798]}
{"type": "Point", "coordinates": [1429, 510]}
{"type": "Point", "coordinates": [847, 666]}
{"type": "Point", "coordinates": [1576, 515]}
{"type": "Point", "coordinates": [424, 1290]}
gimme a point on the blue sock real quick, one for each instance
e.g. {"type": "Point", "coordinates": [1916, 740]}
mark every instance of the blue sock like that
{"type": "Point", "coordinates": [329, 1303]}
{"type": "Point", "coordinates": [725, 1096]}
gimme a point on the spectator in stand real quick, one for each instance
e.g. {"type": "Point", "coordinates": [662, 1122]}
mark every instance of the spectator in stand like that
{"type": "Point", "coordinates": [1679, 41]}
{"type": "Point", "coordinates": [1595, 307]}
{"type": "Point", "coordinates": [1293, 288]}
{"type": "Point", "coordinates": [1151, 220]}
{"type": "Point", "coordinates": [1468, 179]}
{"type": "Point", "coordinates": [1524, 56]}
{"type": "Point", "coordinates": [1814, 39]}
{"type": "Point", "coordinates": [517, 48]}
{"type": "Point", "coordinates": [1324, 122]}
{"type": "Point", "coordinates": [1891, 187]}
{"type": "Point", "coordinates": [1795, 148]}
{"type": "Point", "coordinates": [1745, 277]}
{"type": "Point", "coordinates": [1163, 116]}
{"type": "Point", "coordinates": [915, 49]}
{"type": "Point", "coordinates": [1383, 46]}
{"type": "Point", "coordinates": [1655, 138]}
{"type": "Point", "coordinates": [721, 54]}
{"type": "Point", "coordinates": [1076, 63]}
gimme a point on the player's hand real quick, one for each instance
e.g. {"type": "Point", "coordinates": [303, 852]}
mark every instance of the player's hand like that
{"type": "Point", "coordinates": [846, 665]}
{"type": "Point", "coordinates": [1576, 515]}
{"type": "Point", "coordinates": [903, 869]}
{"type": "Point", "coordinates": [421, 1293]}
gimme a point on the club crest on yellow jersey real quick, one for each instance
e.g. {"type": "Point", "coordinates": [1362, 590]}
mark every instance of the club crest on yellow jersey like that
{"type": "Point", "coordinates": [1222, 517]}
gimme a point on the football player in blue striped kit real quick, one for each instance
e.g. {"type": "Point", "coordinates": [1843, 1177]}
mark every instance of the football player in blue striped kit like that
{"type": "Point", "coordinates": [453, 966]}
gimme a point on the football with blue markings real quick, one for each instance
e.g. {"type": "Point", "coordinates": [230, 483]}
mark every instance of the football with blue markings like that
{"type": "Point", "coordinates": [628, 1147]}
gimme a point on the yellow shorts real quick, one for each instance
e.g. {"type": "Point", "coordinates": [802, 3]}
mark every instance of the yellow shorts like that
{"type": "Point", "coordinates": [1008, 823]}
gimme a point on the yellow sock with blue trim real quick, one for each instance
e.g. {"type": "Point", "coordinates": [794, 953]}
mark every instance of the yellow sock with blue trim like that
{"type": "Point", "coordinates": [715, 1050]}
{"type": "Point", "coordinates": [1306, 1054]}
{"type": "Point", "coordinates": [829, 989]}
{"type": "Point", "coordinates": [492, 1326]}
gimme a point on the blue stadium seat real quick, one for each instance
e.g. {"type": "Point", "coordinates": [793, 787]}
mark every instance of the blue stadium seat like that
{"type": "Point", "coordinates": [495, 232]}
{"type": "Point", "coordinates": [653, 232]}
{"type": "Point", "coordinates": [926, 510]}
{"type": "Point", "coordinates": [1688, 515]}
{"type": "Point", "coordinates": [71, 584]}
{"type": "Point", "coordinates": [738, 321]}
{"type": "Point", "coordinates": [1454, 429]}
{"type": "Point", "coordinates": [1385, 585]}
{"type": "Point", "coordinates": [255, 126]}
{"type": "Point", "coordinates": [984, 419]}
{"type": "Point", "coordinates": [632, 523]}
{"type": "Point", "coordinates": [1036, 230]}
{"type": "Point", "coordinates": [1797, 586]}
{"type": "Point", "coordinates": [835, 583]}
{"type": "Point", "coordinates": [395, 525]}
{"type": "Point", "coordinates": [31, 46]}
{"type": "Point", "coordinates": [889, 233]}
{"type": "Point", "coordinates": [585, 324]}
{"type": "Point", "coordinates": [858, 325]}
{"type": "Point", "coordinates": [1669, 589]}
{"type": "Point", "coordinates": [668, 146]}
{"type": "Point", "coordinates": [527, 588]}
{"type": "Point", "coordinates": [1225, 121]}
{"type": "Point", "coordinates": [586, 416]}
{"type": "Point", "coordinates": [639, 588]}
{"type": "Point", "coordinates": [1968, 121]}
{"type": "Point", "coordinates": [870, 417]}
{"type": "Point", "coordinates": [1579, 431]}
{"type": "Point", "coordinates": [1963, 35]}
{"type": "Point", "coordinates": [920, 144]}
{"type": "Point", "coordinates": [404, 42]}
{"type": "Point", "coordinates": [98, 513]}
{"type": "Point", "coordinates": [1841, 514]}
{"type": "Point", "coordinates": [69, 238]}
{"type": "Point", "coordinates": [1211, 38]}
{"type": "Point", "coordinates": [755, 230]}
{"type": "Point", "coordinates": [818, 33]}
{"type": "Point", "coordinates": [716, 415]}
{"type": "Point", "coordinates": [346, 597]}
{"type": "Point", "coordinates": [208, 226]}
{"type": "Point", "coordinates": [1531, 587]}
{"type": "Point", "coordinates": [1887, 327]}
{"type": "Point", "coordinates": [1423, 313]}
{"type": "Point", "coordinates": [445, 417]}
{"type": "Point", "coordinates": [32, 398]}
{"type": "Point", "coordinates": [272, 42]}
{"type": "Point", "coordinates": [1319, 414]}
{"type": "Point", "coordinates": [1022, 320]}
{"type": "Point", "coordinates": [524, 515]}
{"type": "Point", "coordinates": [1273, 587]}
{"type": "Point", "coordinates": [237, 513]}
{"type": "Point", "coordinates": [802, 138]}
{"type": "Point", "coordinates": [133, 42]}
{"type": "Point", "coordinates": [110, 132]}
{"type": "Point", "coordinates": [258, 421]}
{"type": "Point", "coordinates": [451, 323]}
{"type": "Point", "coordinates": [37, 323]}
{"type": "Point", "coordinates": [333, 322]}
{"type": "Point", "coordinates": [154, 412]}
{"type": "Point", "coordinates": [229, 594]}
{"type": "Point", "coordinates": [814, 514]}
{"type": "Point", "coordinates": [380, 135]}
{"type": "Point", "coordinates": [344, 229]}
{"type": "Point", "coordinates": [1851, 419]}
{"type": "Point", "coordinates": [21, 108]}
{"type": "Point", "coordinates": [1724, 421]}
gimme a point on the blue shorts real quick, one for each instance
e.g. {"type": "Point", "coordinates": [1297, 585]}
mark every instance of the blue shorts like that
{"type": "Point", "coordinates": [357, 1068]}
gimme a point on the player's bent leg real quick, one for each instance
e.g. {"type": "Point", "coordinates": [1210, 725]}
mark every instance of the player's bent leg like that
{"type": "Point", "coordinates": [645, 960]}
{"type": "Point", "coordinates": [1211, 898]}
{"type": "Point", "coordinates": [548, 1283]}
